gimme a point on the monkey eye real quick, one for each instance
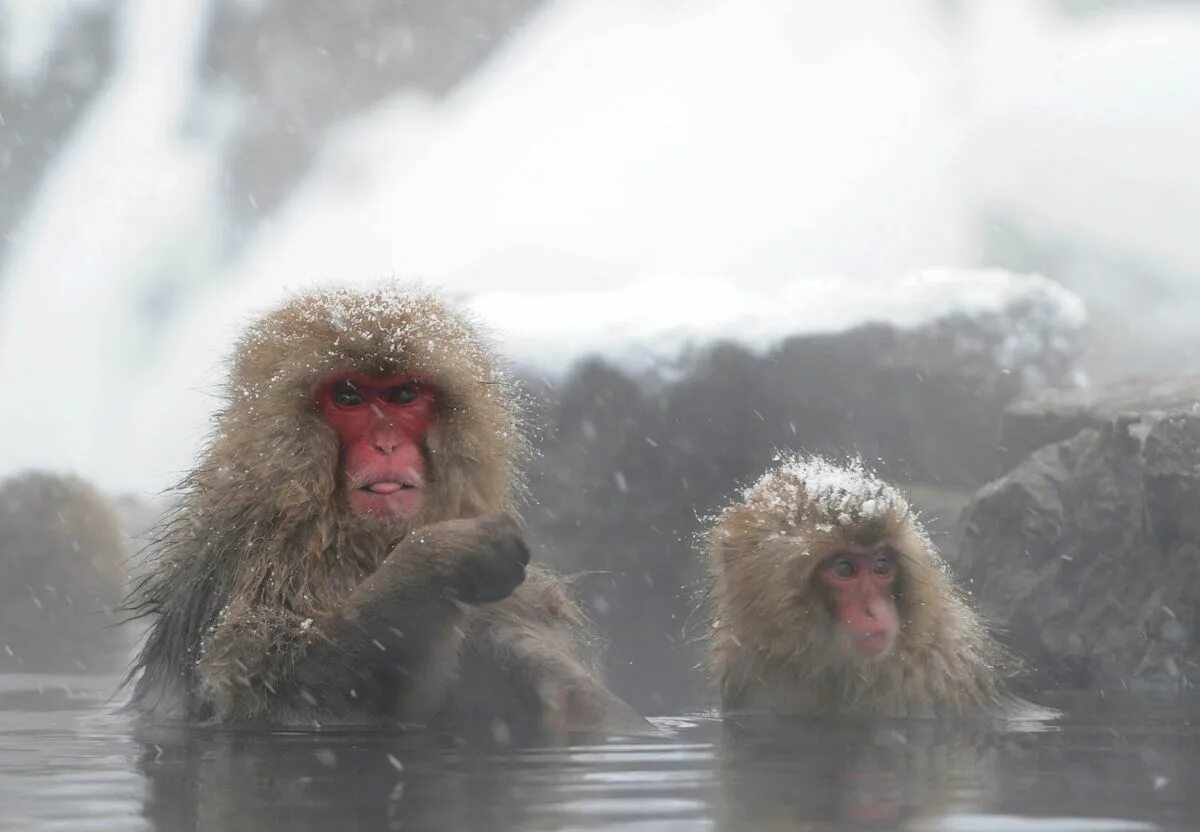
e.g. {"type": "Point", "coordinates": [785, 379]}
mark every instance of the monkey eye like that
{"type": "Point", "coordinates": [345, 395]}
{"type": "Point", "coordinates": [884, 563]}
{"type": "Point", "coordinates": [844, 568]}
{"type": "Point", "coordinates": [404, 393]}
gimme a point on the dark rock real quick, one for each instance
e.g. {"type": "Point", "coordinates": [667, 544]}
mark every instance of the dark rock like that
{"type": "Point", "coordinates": [1172, 477]}
{"type": "Point", "coordinates": [1056, 415]}
{"type": "Point", "coordinates": [630, 465]}
{"type": "Point", "coordinates": [1088, 551]}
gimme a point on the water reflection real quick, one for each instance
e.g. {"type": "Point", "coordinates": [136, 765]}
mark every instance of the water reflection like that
{"type": "Point", "coordinates": [67, 762]}
{"type": "Point", "coordinates": [850, 776]}
{"type": "Point", "coordinates": [406, 780]}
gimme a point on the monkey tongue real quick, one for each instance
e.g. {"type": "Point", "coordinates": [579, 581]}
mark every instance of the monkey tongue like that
{"type": "Point", "coordinates": [385, 487]}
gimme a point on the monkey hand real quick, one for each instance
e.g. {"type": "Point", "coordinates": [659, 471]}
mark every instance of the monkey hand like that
{"type": "Point", "coordinates": [481, 559]}
{"type": "Point", "coordinates": [495, 565]}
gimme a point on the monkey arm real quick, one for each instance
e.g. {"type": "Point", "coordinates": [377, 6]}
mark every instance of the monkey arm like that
{"type": "Point", "coordinates": [392, 646]}
{"type": "Point", "coordinates": [386, 651]}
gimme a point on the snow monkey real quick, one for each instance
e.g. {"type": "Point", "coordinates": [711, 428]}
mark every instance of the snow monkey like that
{"type": "Point", "coordinates": [346, 548]}
{"type": "Point", "coordinates": [62, 562]}
{"type": "Point", "coordinates": [830, 599]}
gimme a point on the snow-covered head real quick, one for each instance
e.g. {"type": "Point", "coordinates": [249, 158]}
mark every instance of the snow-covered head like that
{"type": "Point", "coordinates": [823, 497]}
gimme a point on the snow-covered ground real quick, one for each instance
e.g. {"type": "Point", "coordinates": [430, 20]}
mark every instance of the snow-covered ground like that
{"type": "Point", "coordinates": [624, 177]}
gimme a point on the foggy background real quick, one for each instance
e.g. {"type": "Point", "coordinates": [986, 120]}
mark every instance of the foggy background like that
{"type": "Point", "coordinates": [613, 187]}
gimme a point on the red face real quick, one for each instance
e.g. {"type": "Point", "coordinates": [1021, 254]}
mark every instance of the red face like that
{"type": "Point", "coordinates": [860, 585]}
{"type": "Point", "coordinates": [382, 424]}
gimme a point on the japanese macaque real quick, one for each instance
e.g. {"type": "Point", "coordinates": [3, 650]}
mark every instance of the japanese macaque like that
{"type": "Point", "coordinates": [346, 549]}
{"type": "Point", "coordinates": [830, 599]}
{"type": "Point", "coordinates": [61, 577]}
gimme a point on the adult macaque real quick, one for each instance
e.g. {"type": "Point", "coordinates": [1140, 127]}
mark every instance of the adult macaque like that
{"type": "Point", "coordinates": [61, 576]}
{"type": "Point", "coordinates": [346, 549]}
{"type": "Point", "coordinates": [830, 599]}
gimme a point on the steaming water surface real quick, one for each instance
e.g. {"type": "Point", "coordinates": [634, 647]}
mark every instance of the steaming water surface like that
{"type": "Point", "coordinates": [68, 762]}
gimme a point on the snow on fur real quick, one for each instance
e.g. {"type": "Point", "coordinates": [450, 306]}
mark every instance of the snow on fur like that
{"type": "Point", "coordinates": [816, 491]}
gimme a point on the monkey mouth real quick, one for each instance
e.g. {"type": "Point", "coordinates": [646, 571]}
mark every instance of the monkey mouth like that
{"type": "Point", "coordinates": [873, 644]}
{"type": "Point", "coordinates": [388, 486]}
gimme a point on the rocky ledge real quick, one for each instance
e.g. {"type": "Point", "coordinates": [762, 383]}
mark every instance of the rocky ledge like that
{"type": "Point", "coordinates": [1088, 549]}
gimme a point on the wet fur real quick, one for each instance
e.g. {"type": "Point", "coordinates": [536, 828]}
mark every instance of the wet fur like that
{"type": "Point", "coordinates": [252, 571]}
{"type": "Point", "coordinates": [774, 645]}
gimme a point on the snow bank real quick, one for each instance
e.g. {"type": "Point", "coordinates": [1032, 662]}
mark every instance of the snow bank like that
{"type": "Point", "coordinates": [651, 323]}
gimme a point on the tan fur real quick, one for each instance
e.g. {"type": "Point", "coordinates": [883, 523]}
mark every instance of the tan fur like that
{"type": "Point", "coordinates": [772, 646]}
{"type": "Point", "coordinates": [267, 532]}
{"type": "Point", "coordinates": [62, 576]}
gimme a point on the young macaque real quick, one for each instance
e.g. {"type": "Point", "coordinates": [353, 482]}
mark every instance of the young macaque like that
{"type": "Point", "coordinates": [347, 550]}
{"type": "Point", "coordinates": [830, 599]}
{"type": "Point", "coordinates": [62, 576]}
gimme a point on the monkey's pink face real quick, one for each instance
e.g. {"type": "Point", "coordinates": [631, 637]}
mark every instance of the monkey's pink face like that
{"type": "Point", "coordinates": [382, 424]}
{"type": "Point", "coordinates": [859, 585]}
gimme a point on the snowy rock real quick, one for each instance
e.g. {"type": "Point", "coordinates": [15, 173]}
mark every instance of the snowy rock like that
{"type": "Point", "coordinates": [1020, 321]}
{"type": "Point", "coordinates": [1055, 415]}
{"type": "Point", "coordinates": [1088, 551]}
